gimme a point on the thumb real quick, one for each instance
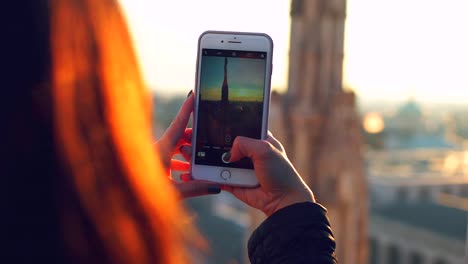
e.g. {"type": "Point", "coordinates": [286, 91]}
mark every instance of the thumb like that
{"type": "Point", "coordinates": [254, 149]}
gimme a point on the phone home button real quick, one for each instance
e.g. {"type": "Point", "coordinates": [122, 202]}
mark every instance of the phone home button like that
{"type": "Point", "coordinates": [225, 175]}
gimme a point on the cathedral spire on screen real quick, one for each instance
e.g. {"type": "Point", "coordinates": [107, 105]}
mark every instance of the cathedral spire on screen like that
{"type": "Point", "coordinates": [225, 87]}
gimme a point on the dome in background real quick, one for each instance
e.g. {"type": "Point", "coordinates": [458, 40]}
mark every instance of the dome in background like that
{"type": "Point", "coordinates": [410, 109]}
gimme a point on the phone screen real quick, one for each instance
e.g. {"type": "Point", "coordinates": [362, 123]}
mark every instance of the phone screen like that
{"type": "Point", "coordinates": [230, 103]}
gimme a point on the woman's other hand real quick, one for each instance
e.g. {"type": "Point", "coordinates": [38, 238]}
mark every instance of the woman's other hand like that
{"type": "Point", "coordinates": [280, 183]}
{"type": "Point", "coordinates": [177, 140]}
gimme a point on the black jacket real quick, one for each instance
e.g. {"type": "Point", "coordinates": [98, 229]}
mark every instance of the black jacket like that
{"type": "Point", "coordinates": [299, 233]}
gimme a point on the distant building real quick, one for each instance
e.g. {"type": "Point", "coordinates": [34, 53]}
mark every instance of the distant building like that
{"type": "Point", "coordinates": [409, 128]}
{"type": "Point", "coordinates": [409, 118]}
{"type": "Point", "coordinates": [461, 124]}
{"type": "Point", "coordinates": [418, 221]}
{"type": "Point", "coordinates": [419, 206]}
{"type": "Point", "coordinates": [419, 233]}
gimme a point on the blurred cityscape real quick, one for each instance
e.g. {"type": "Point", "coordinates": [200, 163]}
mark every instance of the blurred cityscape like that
{"type": "Point", "coordinates": [417, 168]}
{"type": "Point", "coordinates": [416, 160]}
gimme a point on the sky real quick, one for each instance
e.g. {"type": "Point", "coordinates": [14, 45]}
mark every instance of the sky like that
{"type": "Point", "coordinates": [245, 78]}
{"type": "Point", "coordinates": [394, 49]}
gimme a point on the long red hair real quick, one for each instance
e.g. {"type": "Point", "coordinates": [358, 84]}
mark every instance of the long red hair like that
{"type": "Point", "coordinates": [126, 211]}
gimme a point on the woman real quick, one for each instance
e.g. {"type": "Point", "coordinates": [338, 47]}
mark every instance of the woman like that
{"type": "Point", "coordinates": [82, 181]}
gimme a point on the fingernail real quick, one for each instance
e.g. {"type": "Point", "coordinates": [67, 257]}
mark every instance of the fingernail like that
{"type": "Point", "coordinates": [190, 93]}
{"type": "Point", "coordinates": [214, 189]}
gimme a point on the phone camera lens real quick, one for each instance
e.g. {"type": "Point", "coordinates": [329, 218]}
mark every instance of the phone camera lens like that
{"type": "Point", "coordinates": [222, 41]}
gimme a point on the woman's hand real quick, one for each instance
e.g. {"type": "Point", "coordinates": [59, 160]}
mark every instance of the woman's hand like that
{"type": "Point", "coordinates": [280, 184]}
{"type": "Point", "coordinates": [177, 140]}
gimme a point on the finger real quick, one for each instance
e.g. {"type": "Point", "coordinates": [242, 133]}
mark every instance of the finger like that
{"type": "Point", "coordinates": [232, 190]}
{"type": "Point", "coordinates": [242, 193]}
{"type": "Point", "coordinates": [177, 128]}
{"type": "Point", "coordinates": [186, 152]}
{"type": "Point", "coordinates": [185, 177]}
{"type": "Point", "coordinates": [250, 148]}
{"type": "Point", "coordinates": [226, 188]}
{"type": "Point", "coordinates": [187, 137]}
{"type": "Point", "coordinates": [197, 188]}
{"type": "Point", "coordinates": [178, 165]}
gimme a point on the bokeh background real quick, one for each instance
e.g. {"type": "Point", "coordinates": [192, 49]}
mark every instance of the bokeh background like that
{"type": "Point", "coordinates": [370, 100]}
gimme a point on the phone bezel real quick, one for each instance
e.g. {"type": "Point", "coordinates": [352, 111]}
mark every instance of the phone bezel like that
{"type": "Point", "coordinates": [226, 40]}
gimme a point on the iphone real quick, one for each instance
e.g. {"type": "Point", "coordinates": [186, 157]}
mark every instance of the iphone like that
{"type": "Point", "coordinates": [232, 96]}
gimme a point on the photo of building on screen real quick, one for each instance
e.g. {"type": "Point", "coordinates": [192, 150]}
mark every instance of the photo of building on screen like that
{"type": "Point", "coordinates": [230, 105]}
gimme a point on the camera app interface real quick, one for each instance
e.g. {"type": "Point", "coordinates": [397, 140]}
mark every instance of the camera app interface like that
{"type": "Point", "coordinates": [230, 103]}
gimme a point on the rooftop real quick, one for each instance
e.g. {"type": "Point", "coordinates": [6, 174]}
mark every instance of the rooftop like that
{"type": "Point", "coordinates": [442, 220]}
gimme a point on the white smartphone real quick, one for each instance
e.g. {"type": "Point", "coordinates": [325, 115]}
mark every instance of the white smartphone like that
{"type": "Point", "coordinates": [232, 97]}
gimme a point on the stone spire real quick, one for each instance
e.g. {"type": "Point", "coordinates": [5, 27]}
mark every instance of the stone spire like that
{"type": "Point", "coordinates": [319, 123]}
{"type": "Point", "coordinates": [316, 50]}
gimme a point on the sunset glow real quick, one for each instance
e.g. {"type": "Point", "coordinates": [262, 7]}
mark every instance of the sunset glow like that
{"type": "Point", "coordinates": [394, 49]}
{"type": "Point", "coordinates": [373, 123]}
